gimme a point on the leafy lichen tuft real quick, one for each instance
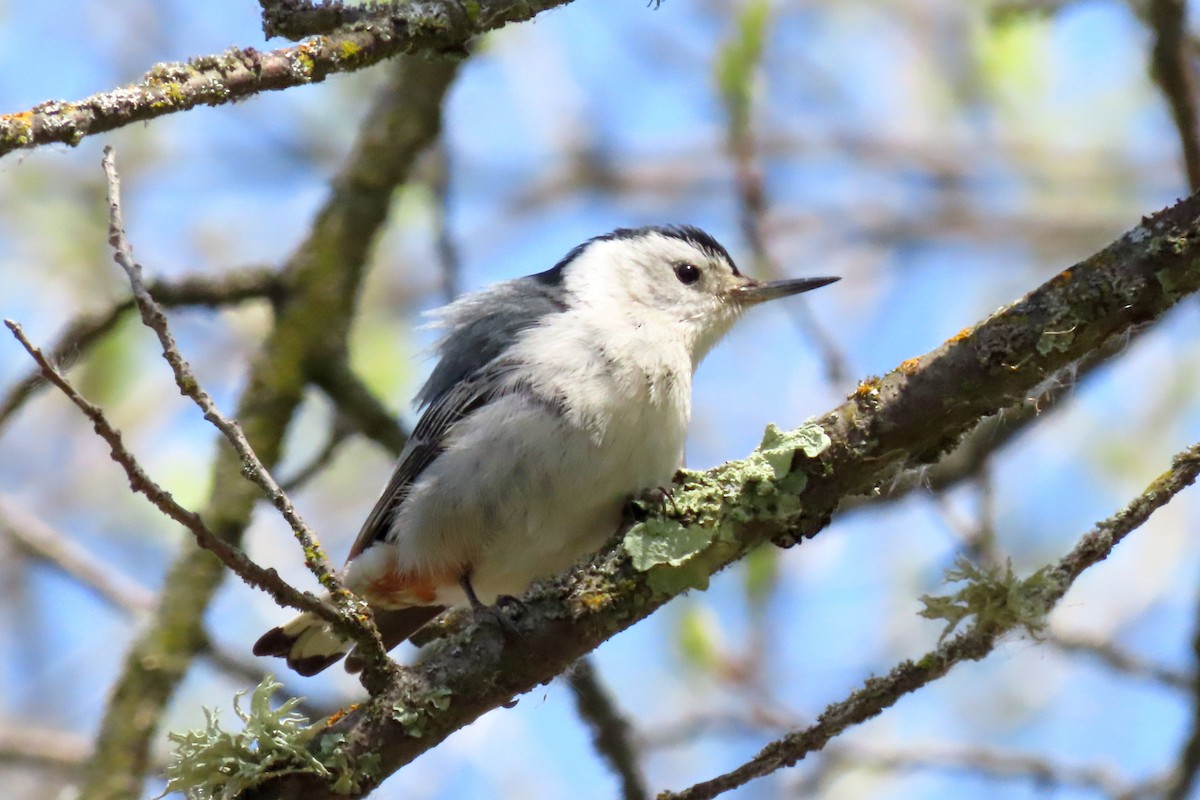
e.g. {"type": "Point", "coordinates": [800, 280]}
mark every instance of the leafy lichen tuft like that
{"type": "Point", "coordinates": [215, 764]}
{"type": "Point", "coordinates": [994, 596]}
{"type": "Point", "coordinates": [413, 717]}
{"type": "Point", "coordinates": [677, 550]}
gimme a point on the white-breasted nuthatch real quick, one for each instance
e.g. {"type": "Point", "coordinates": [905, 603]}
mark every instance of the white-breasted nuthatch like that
{"type": "Point", "coordinates": [557, 397]}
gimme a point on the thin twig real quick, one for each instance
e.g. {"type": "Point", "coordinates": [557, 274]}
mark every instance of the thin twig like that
{"type": "Point", "coordinates": [139, 481]}
{"type": "Point", "coordinates": [339, 432]}
{"type": "Point", "coordinates": [354, 618]}
{"type": "Point", "coordinates": [35, 537]}
{"type": "Point", "coordinates": [1120, 660]}
{"type": "Point", "coordinates": [1172, 70]}
{"type": "Point", "coordinates": [85, 330]}
{"type": "Point", "coordinates": [753, 209]}
{"type": "Point", "coordinates": [48, 748]}
{"type": "Point", "coordinates": [357, 403]}
{"type": "Point", "coordinates": [881, 693]}
{"type": "Point", "coordinates": [449, 260]}
{"type": "Point", "coordinates": [610, 730]}
{"type": "Point", "coordinates": [992, 764]}
{"type": "Point", "coordinates": [1187, 767]}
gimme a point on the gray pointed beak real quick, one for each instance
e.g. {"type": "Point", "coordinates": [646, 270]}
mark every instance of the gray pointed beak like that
{"type": "Point", "coordinates": [755, 292]}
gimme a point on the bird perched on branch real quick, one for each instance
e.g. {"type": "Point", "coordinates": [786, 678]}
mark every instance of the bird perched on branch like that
{"type": "Point", "coordinates": [556, 398]}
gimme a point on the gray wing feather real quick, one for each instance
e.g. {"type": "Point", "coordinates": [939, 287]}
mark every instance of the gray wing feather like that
{"type": "Point", "coordinates": [470, 374]}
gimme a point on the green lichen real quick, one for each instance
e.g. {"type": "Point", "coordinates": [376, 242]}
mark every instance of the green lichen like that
{"type": "Point", "coordinates": [214, 764]}
{"type": "Point", "coordinates": [413, 717]}
{"type": "Point", "coordinates": [1056, 340]}
{"type": "Point", "coordinates": [1169, 286]}
{"type": "Point", "coordinates": [680, 551]}
{"type": "Point", "coordinates": [994, 596]}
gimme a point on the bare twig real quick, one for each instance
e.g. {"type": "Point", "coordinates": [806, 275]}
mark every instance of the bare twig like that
{"type": "Point", "coordinates": [140, 482]}
{"type": "Point", "coordinates": [443, 26]}
{"type": "Point", "coordinates": [1173, 73]}
{"type": "Point", "coordinates": [610, 730]}
{"type": "Point", "coordinates": [323, 274]}
{"type": "Point", "coordinates": [354, 617]}
{"type": "Point", "coordinates": [993, 764]}
{"type": "Point", "coordinates": [48, 748]}
{"type": "Point", "coordinates": [1120, 660]}
{"type": "Point", "coordinates": [41, 540]}
{"type": "Point", "coordinates": [745, 50]}
{"type": "Point", "coordinates": [85, 330]}
{"type": "Point", "coordinates": [1187, 767]}
{"type": "Point", "coordinates": [339, 431]}
{"type": "Point", "coordinates": [449, 261]}
{"type": "Point", "coordinates": [881, 693]}
{"type": "Point", "coordinates": [356, 403]}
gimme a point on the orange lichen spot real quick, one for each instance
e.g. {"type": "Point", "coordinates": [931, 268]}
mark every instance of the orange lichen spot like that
{"type": "Point", "coordinates": [1065, 275]}
{"type": "Point", "coordinates": [594, 601]}
{"type": "Point", "coordinates": [868, 388]}
{"type": "Point", "coordinates": [341, 712]}
{"type": "Point", "coordinates": [958, 337]}
{"type": "Point", "coordinates": [909, 366]}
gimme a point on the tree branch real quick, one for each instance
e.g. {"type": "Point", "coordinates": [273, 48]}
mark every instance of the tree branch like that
{"type": "Point", "coordinates": [39, 539]}
{"type": "Point", "coordinates": [993, 764]}
{"type": "Point", "coordinates": [1171, 70]}
{"type": "Point", "coordinates": [355, 402]}
{"type": "Point", "coordinates": [353, 617]}
{"type": "Point", "coordinates": [140, 482]}
{"type": "Point", "coordinates": [439, 26]}
{"type": "Point", "coordinates": [323, 276]}
{"type": "Point", "coordinates": [81, 333]}
{"type": "Point", "coordinates": [610, 730]}
{"type": "Point", "coordinates": [909, 417]}
{"type": "Point", "coordinates": [878, 694]}
{"type": "Point", "coordinates": [1119, 660]}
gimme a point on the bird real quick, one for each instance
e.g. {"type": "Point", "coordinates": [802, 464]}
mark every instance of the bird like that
{"type": "Point", "coordinates": [556, 398]}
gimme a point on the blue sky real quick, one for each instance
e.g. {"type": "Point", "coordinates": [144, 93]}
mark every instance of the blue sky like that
{"type": "Point", "coordinates": [942, 165]}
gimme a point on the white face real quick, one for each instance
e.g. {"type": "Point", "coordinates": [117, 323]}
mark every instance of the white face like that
{"type": "Point", "coordinates": [664, 281]}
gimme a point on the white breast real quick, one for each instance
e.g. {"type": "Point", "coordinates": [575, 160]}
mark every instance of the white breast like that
{"type": "Point", "coordinates": [535, 480]}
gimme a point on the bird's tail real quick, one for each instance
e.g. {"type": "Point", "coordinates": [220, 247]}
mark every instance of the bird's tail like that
{"type": "Point", "coordinates": [307, 642]}
{"type": "Point", "coordinates": [310, 645]}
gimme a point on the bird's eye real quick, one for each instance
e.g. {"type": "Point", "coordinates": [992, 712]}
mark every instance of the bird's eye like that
{"type": "Point", "coordinates": [687, 273]}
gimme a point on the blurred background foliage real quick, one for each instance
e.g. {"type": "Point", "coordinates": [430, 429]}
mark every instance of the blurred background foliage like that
{"type": "Point", "coordinates": [943, 157]}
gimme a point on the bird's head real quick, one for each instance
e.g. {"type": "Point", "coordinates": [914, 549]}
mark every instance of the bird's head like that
{"type": "Point", "coordinates": [674, 279]}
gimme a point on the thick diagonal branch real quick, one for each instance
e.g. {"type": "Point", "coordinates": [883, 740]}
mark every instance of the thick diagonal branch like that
{"type": "Point", "coordinates": [909, 417]}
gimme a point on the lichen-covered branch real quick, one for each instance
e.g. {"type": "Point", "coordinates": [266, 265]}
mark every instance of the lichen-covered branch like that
{"type": "Point", "coordinates": [786, 491]}
{"type": "Point", "coordinates": [1037, 597]}
{"type": "Point", "coordinates": [323, 276]}
{"type": "Point", "coordinates": [439, 26]}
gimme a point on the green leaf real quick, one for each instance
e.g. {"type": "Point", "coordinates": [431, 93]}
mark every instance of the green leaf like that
{"type": "Point", "coordinates": [761, 573]}
{"type": "Point", "coordinates": [737, 63]}
{"type": "Point", "coordinates": [698, 637]}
